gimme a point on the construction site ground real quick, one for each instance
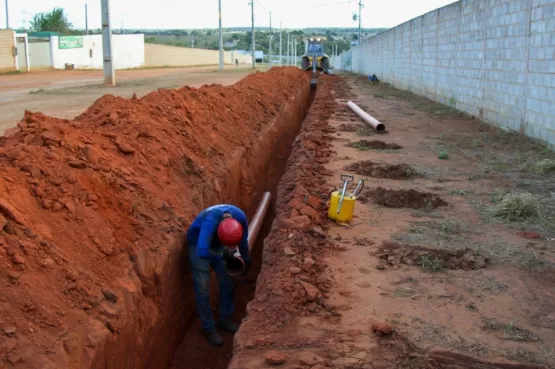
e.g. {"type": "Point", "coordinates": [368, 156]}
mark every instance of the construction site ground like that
{"type": "Point", "coordinates": [424, 257]}
{"type": "Point", "coordinates": [65, 94]}
{"type": "Point", "coordinates": [447, 263]}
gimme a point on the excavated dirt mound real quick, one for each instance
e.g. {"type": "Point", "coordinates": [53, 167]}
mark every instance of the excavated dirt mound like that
{"type": "Point", "coordinates": [348, 127]}
{"type": "Point", "coordinates": [394, 254]}
{"type": "Point", "coordinates": [406, 199]}
{"type": "Point", "coordinates": [376, 170]}
{"type": "Point", "coordinates": [373, 145]}
{"type": "Point", "coordinates": [93, 212]}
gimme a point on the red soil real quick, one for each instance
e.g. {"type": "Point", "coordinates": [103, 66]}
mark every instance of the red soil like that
{"type": "Point", "coordinates": [92, 209]}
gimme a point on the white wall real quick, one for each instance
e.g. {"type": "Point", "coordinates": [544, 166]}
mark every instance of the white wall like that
{"type": "Point", "coordinates": [175, 56]}
{"type": "Point", "coordinates": [129, 52]}
{"type": "Point", "coordinates": [39, 55]}
{"type": "Point", "coordinates": [494, 59]}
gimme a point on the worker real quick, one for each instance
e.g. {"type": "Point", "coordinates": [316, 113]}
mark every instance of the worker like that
{"type": "Point", "coordinates": [213, 238]}
{"type": "Point", "coordinates": [236, 63]}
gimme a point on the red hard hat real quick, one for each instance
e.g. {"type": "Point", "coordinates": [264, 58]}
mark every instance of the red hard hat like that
{"type": "Point", "coordinates": [230, 232]}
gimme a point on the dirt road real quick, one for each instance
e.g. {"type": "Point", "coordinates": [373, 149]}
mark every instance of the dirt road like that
{"type": "Point", "coordinates": [65, 94]}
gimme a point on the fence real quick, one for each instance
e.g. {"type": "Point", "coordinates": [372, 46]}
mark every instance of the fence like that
{"type": "Point", "coordinates": [493, 59]}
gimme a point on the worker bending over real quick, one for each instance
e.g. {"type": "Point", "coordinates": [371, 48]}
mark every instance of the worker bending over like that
{"type": "Point", "coordinates": [213, 238]}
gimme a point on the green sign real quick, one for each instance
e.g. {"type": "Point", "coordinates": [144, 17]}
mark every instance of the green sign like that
{"type": "Point", "coordinates": [70, 42]}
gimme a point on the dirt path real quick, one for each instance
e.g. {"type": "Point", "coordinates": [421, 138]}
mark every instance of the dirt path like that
{"type": "Point", "coordinates": [65, 94]}
{"type": "Point", "coordinates": [402, 261]}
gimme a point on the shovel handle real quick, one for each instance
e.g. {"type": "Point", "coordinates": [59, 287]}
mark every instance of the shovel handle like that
{"type": "Point", "coordinates": [358, 189]}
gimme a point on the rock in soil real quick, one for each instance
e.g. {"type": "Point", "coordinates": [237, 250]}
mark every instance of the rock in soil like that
{"type": "Point", "coordinates": [382, 328]}
{"type": "Point", "coordinates": [275, 358]}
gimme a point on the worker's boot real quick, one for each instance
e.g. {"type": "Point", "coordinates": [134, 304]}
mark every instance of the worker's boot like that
{"type": "Point", "coordinates": [213, 337]}
{"type": "Point", "coordinates": [228, 326]}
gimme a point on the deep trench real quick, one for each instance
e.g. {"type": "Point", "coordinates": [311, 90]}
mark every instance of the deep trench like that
{"type": "Point", "coordinates": [194, 352]}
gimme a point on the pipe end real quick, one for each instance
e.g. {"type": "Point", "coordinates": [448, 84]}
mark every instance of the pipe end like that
{"type": "Point", "coordinates": [235, 267]}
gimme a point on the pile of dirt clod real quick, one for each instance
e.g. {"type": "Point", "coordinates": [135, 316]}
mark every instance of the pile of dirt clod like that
{"type": "Point", "coordinates": [406, 199]}
{"type": "Point", "coordinates": [394, 254]}
{"type": "Point", "coordinates": [92, 211]}
{"type": "Point", "coordinates": [377, 170]}
{"type": "Point", "coordinates": [373, 144]}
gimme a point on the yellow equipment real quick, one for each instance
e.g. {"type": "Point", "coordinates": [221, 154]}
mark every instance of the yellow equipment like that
{"type": "Point", "coordinates": [342, 205]}
{"type": "Point", "coordinates": [315, 59]}
{"type": "Point", "coordinates": [347, 209]}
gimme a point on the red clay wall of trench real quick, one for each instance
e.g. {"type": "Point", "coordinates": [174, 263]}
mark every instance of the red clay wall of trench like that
{"type": "Point", "coordinates": [93, 210]}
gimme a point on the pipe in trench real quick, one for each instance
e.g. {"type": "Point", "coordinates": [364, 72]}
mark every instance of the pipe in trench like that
{"type": "Point", "coordinates": [236, 266]}
{"type": "Point", "coordinates": [374, 123]}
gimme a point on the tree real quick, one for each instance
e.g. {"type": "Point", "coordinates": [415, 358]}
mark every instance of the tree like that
{"type": "Point", "coordinates": [53, 21]}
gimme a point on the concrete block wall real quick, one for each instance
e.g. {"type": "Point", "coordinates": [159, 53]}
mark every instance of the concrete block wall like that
{"type": "Point", "coordinates": [494, 59]}
{"type": "Point", "coordinates": [7, 43]}
{"type": "Point", "coordinates": [174, 56]}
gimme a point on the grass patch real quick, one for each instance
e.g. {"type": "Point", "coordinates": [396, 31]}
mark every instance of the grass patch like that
{"type": "Point", "coordinates": [510, 331]}
{"type": "Point", "coordinates": [545, 166]}
{"type": "Point", "coordinates": [10, 73]}
{"type": "Point", "coordinates": [443, 155]}
{"type": "Point", "coordinates": [431, 263]}
{"type": "Point", "coordinates": [358, 145]}
{"type": "Point", "coordinates": [455, 235]}
{"type": "Point", "coordinates": [545, 357]}
{"type": "Point", "coordinates": [58, 91]}
{"type": "Point", "coordinates": [489, 285]}
{"type": "Point", "coordinates": [516, 207]}
{"type": "Point", "coordinates": [379, 96]}
{"type": "Point", "coordinates": [365, 130]}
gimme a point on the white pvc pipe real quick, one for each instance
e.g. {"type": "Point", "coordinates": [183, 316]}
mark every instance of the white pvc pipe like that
{"type": "Point", "coordinates": [380, 127]}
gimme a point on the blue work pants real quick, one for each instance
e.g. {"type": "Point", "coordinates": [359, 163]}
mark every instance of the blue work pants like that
{"type": "Point", "coordinates": [201, 284]}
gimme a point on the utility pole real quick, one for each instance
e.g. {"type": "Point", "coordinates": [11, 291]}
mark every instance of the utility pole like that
{"type": "Point", "coordinates": [86, 19]}
{"type": "Point", "coordinates": [220, 36]}
{"type": "Point", "coordinates": [280, 49]}
{"type": "Point", "coordinates": [7, 16]}
{"type": "Point", "coordinates": [295, 52]}
{"type": "Point", "coordinates": [359, 20]}
{"type": "Point", "coordinates": [109, 72]}
{"type": "Point", "coordinates": [293, 62]}
{"type": "Point", "coordinates": [288, 60]}
{"type": "Point", "coordinates": [270, 43]}
{"type": "Point", "coordinates": [253, 46]}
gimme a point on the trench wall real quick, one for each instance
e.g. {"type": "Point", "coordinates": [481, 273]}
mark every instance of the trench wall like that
{"type": "Point", "coordinates": [103, 214]}
{"type": "Point", "coordinates": [494, 59]}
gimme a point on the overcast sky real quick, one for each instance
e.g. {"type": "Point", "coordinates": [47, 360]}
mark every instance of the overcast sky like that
{"type": "Point", "coordinates": [235, 13]}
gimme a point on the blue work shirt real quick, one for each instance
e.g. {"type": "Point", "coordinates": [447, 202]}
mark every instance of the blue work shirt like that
{"type": "Point", "coordinates": [203, 232]}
